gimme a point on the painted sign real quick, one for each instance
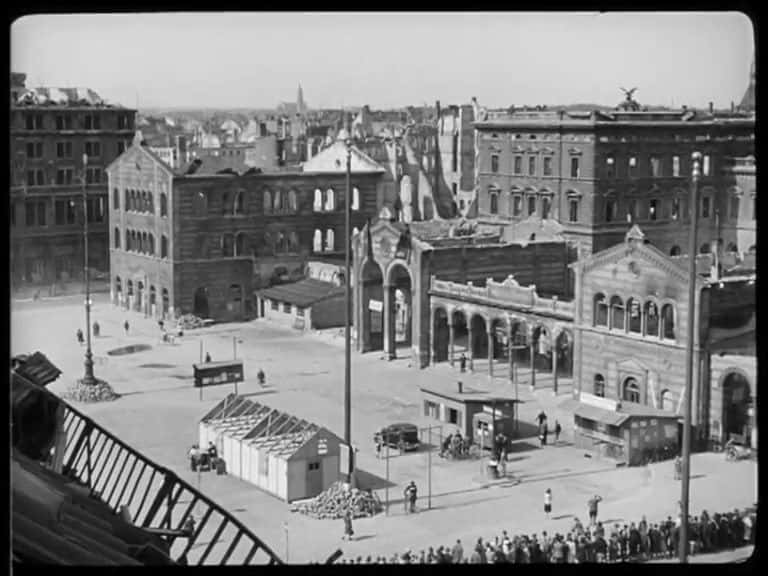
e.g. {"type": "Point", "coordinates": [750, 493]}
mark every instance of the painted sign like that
{"type": "Point", "coordinates": [375, 305]}
{"type": "Point", "coordinates": [322, 446]}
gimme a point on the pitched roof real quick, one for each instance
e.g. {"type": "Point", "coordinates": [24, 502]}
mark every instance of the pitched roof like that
{"type": "Point", "coordinates": [302, 293]}
{"type": "Point", "coordinates": [334, 159]}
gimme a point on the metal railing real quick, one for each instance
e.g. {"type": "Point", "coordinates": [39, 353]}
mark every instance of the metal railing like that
{"type": "Point", "coordinates": [156, 497]}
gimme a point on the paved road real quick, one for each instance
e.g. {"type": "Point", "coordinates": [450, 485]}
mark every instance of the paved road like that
{"type": "Point", "coordinates": [159, 411]}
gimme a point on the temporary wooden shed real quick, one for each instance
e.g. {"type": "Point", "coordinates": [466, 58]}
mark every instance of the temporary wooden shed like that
{"type": "Point", "coordinates": [279, 453]}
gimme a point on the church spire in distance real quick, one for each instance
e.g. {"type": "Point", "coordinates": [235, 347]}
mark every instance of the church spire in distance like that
{"type": "Point", "coordinates": [300, 106]}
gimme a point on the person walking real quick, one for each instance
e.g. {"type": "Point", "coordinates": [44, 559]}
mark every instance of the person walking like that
{"type": "Point", "coordinates": [463, 363]}
{"type": "Point", "coordinates": [411, 494]}
{"type": "Point", "coordinates": [558, 429]}
{"type": "Point", "coordinates": [457, 553]}
{"type": "Point", "coordinates": [126, 326]}
{"type": "Point", "coordinates": [96, 329]}
{"type": "Point", "coordinates": [194, 457]}
{"type": "Point", "coordinates": [207, 357]}
{"type": "Point", "coordinates": [348, 531]}
{"type": "Point", "coordinates": [547, 502]}
{"type": "Point", "coordinates": [678, 468]}
{"type": "Point", "coordinates": [544, 434]}
{"type": "Point", "coordinates": [592, 504]}
{"type": "Point", "coordinates": [79, 335]}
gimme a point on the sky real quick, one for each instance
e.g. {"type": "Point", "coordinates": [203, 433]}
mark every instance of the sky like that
{"type": "Point", "coordinates": [389, 60]}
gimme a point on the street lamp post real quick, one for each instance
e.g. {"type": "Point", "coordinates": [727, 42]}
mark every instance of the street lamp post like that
{"type": "Point", "coordinates": [347, 314]}
{"type": "Point", "coordinates": [88, 378]}
{"type": "Point", "coordinates": [689, 366]}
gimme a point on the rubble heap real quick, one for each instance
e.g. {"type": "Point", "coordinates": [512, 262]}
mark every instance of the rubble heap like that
{"type": "Point", "coordinates": [190, 322]}
{"type": "Point", "coordinates": [100, 391]}
{"type": "Point", "coordinates": [336, 500]}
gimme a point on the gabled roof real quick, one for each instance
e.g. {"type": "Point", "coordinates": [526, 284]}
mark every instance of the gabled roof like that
{"type": "Point", "coordinates": [302, 293]}
{"type": "Point", "coordinates": [334, 159]}
{"type": "Point", "coordinates": [130, 155]}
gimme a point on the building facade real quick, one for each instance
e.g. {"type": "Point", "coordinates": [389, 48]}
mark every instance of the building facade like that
{"type": "Point", "coordinates": [202, 243]}
{"type": "Point", "coordinates": [594, 172]}
{"type": "Point", "coordinates": [51, 130]}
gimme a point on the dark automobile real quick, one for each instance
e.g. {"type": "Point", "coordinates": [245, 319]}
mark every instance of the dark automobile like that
{"type": "Point", "coordinates": [401, 435]}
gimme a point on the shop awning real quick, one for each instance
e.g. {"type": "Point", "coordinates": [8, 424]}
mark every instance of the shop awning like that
{"type": "Point", "coordinates": [596, 414]}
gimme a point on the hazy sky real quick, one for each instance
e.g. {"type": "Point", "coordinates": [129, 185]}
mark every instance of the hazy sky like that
{"type": "Point", "coordinates": [389, 59]}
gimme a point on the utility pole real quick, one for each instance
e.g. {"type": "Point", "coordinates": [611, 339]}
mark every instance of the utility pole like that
{"type": "Point", "coordinates": [347, 312]}
{"type": "Point", "coordinates": [689, 366]}
{"type": "Point", "coordinates": [88, 378]}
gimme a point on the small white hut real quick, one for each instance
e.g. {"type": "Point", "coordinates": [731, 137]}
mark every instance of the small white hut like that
{"type": "Point", "coordinates": [279, 453]}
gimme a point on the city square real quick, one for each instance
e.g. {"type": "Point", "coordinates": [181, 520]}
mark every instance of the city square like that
{"type": "Point", "coordinates": [159, 412]}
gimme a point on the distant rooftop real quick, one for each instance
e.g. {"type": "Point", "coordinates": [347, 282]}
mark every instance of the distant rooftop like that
{"type": "Point", "coordinates": [75, 97]}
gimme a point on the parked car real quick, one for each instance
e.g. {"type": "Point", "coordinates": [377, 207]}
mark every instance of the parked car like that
{"type": "Point", "coordinates": [400, 435]}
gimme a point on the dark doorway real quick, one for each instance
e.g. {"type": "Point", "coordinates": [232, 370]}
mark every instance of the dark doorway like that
{"type": "Point", "coordinates": [314, 477]}
{"type": "Point", "coordinates": [441, 336]}
{"type": "Point", "coordinates": [479, 338]}
{"type": "Point", "coordinates": [460, 334]}
{"type": "Point", "coordinates": [373, 307]}
{"type": "Point", "coordinates": [736, 404]}
{"type": "Point", "coordinates": [201, 303]}
{"type": "Point", "coordinates": [564, 345]}
{"type": "Point", "coordinates": [401, 305]}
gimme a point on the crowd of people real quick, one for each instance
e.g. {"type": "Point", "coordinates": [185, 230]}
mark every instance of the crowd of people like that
{"type": "Point", "coordinates": [635, 542]}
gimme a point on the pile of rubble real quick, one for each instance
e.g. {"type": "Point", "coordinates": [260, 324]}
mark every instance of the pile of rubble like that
{"type": "Point", "coordinates": [100, 391]}
{"type": "Point", "coordinates": [336, 500]}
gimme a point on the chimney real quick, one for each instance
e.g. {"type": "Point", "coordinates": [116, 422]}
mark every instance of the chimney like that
{"type": "Point", "coordinates": [711, 108]}
{"type": "Point", "coordinates": [461, 388]}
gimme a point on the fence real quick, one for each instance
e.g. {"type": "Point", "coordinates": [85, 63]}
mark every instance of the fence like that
{"type": "Point", "coordinates": [156, 498]}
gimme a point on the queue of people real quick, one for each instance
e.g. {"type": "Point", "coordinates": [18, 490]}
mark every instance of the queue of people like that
{"type": "Point", "coordinates": [634, 542]}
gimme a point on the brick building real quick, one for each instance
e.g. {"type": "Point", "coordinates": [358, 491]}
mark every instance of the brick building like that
{"type": "Point", "coordinates": [191, 241]}
{"type": "Point", "coordinates": [594, 171]}
{"type": "Point", "coordinates": [631, 315]}
{"type": "Point", "coordinates": [395, 266]}
{"type": "Point", "coordinates": [51, 129]}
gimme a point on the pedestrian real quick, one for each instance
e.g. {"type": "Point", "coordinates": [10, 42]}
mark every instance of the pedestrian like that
{"type": "Point", "coordinates": [542, 418]}
{"type": "Point", "coordinates": [207, 357]}
{"type": "Point", "coordinates": [348, 531]}
{"type": "Point", "coordinates": [126, 326]}
{"type": "Point", "coordinates": [411, 494]}
{"type": "Point", "coordinates": [96, 329]}
{"type": "Point", "coordinates": [548, 502]}
{"type": "Point", "coordinates": [457, 553]}
{"type": "Point", "coordinates": [558, 429]}
{"type": "Point", "coordinates": [678, 468]}
{"type": "Point", "coordinates": [463, 363]}
{"type": "Point", "coordinates": [593, 509]}
{"type": "Point", "coordinates": [79, 335]}
{"type": "Point", "coordinates": [378, 445]}
{"type": "Point", "coordinates": [161, 324]}
{"type": "Point", "coordinates": [544, 434]}
{"type": "Point", "coordinates": [194, 457]}
{"type": "Point", "coordinates": [212, 452]}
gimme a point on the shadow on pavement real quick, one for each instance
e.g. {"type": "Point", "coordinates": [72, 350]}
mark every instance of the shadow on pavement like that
{"type": "Point", "coordinates": [262, 392]}
{"type": "Point", "coordinates": [364, 537]}
{"type": "Point", "coordinates": [368, 481]}
{"type": "Point", "coordinates": [153, 390]}
{"type": "Point", "coordinates": [522, 447]}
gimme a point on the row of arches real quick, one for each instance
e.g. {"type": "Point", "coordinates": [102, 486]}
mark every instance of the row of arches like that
{"type": "Point", "coordinates": [141, 242]}
{"type": "Point", "coordinates": [134, 298]}
{"type": "Point", "coordinates": [325, 201]}
{"type": "Point", "coordinates": [644, 318]}
{"type": "Point", "coordinates": [512, 341]}
{"type": "Point", "coordinates": [273, 201]}
{"type": "Point", "coordinates": [706, 248]}
{"type": "Point", "coordinates": [631, 392]}
{"type": "Point", "coordinates": [326, 242]}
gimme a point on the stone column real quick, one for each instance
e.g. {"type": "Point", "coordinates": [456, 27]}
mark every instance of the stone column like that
{"type": "Point", "coordinates": [471, 347]}
{"type": "Point", "coordinates": [490, 353]}
{"type": "Point", "coordinates": [450, 338]}
{"type": "Point", "coordinates": [533, 360]}
{"type": "Point", "coordinates": [389, 328]}
{"type": "Point", "coordinates": [554, 368]}
{"type": "Point", "coordinates": [431, 354]}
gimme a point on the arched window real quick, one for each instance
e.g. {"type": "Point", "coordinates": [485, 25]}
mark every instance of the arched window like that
{"type": "Point", "coordinates": [651, 314]}
{"type": "Point", "coordinates": [166, 300]}
{"type": "Point", "coordinates": [330, 200]}
{"type": "Point", "coordinates": [118, 285]}
{"type": "Point", "coordinates": [144, 202]}
{"type": "Point", "coordinates": [675, 250]}
{"type": "Point", "coordinates": [128, 240]}
{"type": "Point", "coordinates": [267, 202]}
{"type": "Point", "coordinates": [151, 198]}
{"type": "Point", "coordinates": [163, 204]}
{"type": "Point", "coordinates": [240, 244]}
{"type": "Point", "coordinates": [329, 240]}
{"type": "Point", "coordinates": [600, 310]}
{"type": "Point", "coordinates": [631, 392]}
{"type": "Point", "coordinates": [355, 198]}
{"type": "Point", "coordinates": [277, 203]}
{"type": "Point", "coordinates": [317, 206]}
{"type": "Point", "coordinates": [115, 199]}
{"type": "Point", "coordinates": [151, 246]}
{"type": "Point", "coordinates": [293, 205]}
{"type": "Point", "coordinates": [164, 246]}
{"type": "Point", "coordinates": [599, 386]}
{"type": "Point", "coordinates": [617, 313]}
{"type": "Point", "coordinates": [129, 287]}
{"type": "Point", "coordinates": [545, 206]}
{"type": "Point", "coordinates": [293, 241]}
{"type": "Point", "coordinates": [152, 295]}
{"type": "Point", "coordinates": [668, 322]}
{"type": "Point", "coordinates": [317, 241]}
{"type": "Point", "coordinates": [705, 249]}
{"type": "Point", "coordinates": [240, 202]}
{"type": "Point", "coordinates": [634, 312]}
{"type": "Point", "coordinates": [201, 203]}
{"type": "Point", "coordinates": [225, 209]}
{"type": "Point", "coordinates": [117, 238]}
{"type": "Point", "coordinates": [494, 203]}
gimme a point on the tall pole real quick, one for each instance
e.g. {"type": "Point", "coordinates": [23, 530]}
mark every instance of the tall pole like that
{"type": "Point", "coordinates": [88, 378]}
{"type": "Point", "coordinates": [689, 366]}
{"type": "Point", "coordinates": [347, 305]}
